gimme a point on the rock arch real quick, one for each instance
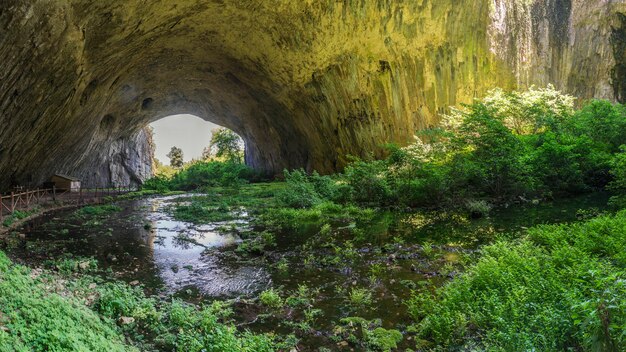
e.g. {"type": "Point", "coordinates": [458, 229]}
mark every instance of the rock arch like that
{"type": "Point", "coordinates": [303, 82]}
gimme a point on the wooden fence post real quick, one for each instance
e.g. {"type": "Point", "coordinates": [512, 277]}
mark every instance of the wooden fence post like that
{"type": "Point", "coordinates": [12, 202]}
{"type": "Point", "coordinates": [54, 193]}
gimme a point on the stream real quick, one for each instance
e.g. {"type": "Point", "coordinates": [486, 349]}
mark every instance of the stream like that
{"type": "Point", "coordinates": [400, 253]}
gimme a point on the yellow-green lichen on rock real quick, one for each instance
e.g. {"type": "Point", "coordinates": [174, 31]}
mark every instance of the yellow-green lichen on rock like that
{"type": "Point", "coordinates": [304, 82]}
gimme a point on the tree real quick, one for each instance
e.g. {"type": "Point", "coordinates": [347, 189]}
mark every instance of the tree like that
{"type": "Point", "coordinates": [206, 153]}
{"type": "Point", "coordinates": [227, 144]}
{"type": "Point", "coordinates": [176, 157]}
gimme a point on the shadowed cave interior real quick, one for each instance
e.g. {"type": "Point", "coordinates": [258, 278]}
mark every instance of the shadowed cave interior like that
{"type": "Point", "coordinates": [81, 79]}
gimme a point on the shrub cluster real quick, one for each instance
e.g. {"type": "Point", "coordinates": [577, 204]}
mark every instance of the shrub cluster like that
{"type": "Point", "coordinates": [204, 174]}
{"type": "Point", "coordinates": [506, 146]}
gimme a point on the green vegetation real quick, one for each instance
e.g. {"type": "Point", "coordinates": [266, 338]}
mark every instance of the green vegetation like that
{"type": "Point", "coordinates": [503, 148]}
{"type": "Point", "coordinates": [37, 313]}
{"type": "Point", "coordinates": [199, 213]}
{"type": "Point", "coordinates": [221, 165]}
{"type": "Point", "coordinates": [369, 334]}
{"type": "Point", "coordinates": [98, 210]}
{"type": "Point", "coordinates": [344, 251]}
{"type": "Point", "coordinates": [176, 157]}
{"type": "Point", "coordinates": [201, 174]}
{"type": "Point", "coordinates": [360, 297]}
{"type": "Point", "coordinates": [33, 317]}
{"type": "Point", "coordinates": [174, 325]}
{"type": "Point", "coordinates": [559, 288]}
{"type": "Point", "coordinates": [506, 147]}
{"type": "Point", "coordinates": [18, 215]}
{"type": "Point", "coordinates": [271, 298]}
{"type": "Point", "coordinates": [227, 145]}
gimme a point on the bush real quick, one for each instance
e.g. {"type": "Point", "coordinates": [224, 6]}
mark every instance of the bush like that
{"type": "Point", "coordinates": [494, 153]}
{"type": "Point", "coordinates": [157, 183]}
{"type": "Point", "coordinates": [603, 122]}
{"type": "Point", "coordinates": [478, 208]}
{"type": "Point", "coordinates": [420, 184]}
{"type": "Point", "coordinates": [176, 326]}
{"type": "Point", "coordinates": [300, 192]}
{"type": "Point", "coordinates": [271, 298]}
{"type": "Point", "coordinates": [368, 182]}
{"type": "Point", "coordinates": [555, 164]}
{"type": "Point", "coordinates": [204, 174]}
{"type": "Point", "coordinates": [618, 171]}
{"type": "Point", "coordinates": [502, 147]}
{"type": "Point", "coordinates": [98, 210]}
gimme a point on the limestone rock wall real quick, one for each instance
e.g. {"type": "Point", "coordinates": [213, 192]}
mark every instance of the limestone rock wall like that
{"type": "Point", "coordinates": [303, 82]}
{"type": "Point", "coordinates": [127, 162]}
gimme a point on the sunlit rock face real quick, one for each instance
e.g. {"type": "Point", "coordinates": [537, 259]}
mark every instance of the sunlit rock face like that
{"type": "Point", "coordinates": [305, 83]}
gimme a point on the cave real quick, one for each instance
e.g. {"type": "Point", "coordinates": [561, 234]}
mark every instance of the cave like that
{"type": "Point", "coordinates": [304, 83]}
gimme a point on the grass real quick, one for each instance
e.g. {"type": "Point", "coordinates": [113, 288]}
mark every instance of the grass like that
{"type": "Point", "coordinates": [146, 193]}
{"type": "Point", "coordinates": [360, 297]}
{"type": "Point", "coordinates": [98, 210]}
{"type": "Point", "coordinates": [107, 316]}
{"type": "Point", "coordinates": [563, 287]}
{"type": "Point", "coordinates": [197, 212]}
{"type": "Point", "coordinates": [368, 334]}
{"type": "Point", "coordinates": [33, 318]}
{"type": "Point", "coordinates": [271, 298]}
{"type": "Point", "coordinates": [223, 203]}
{"type": "Point", "coordinates": [18, 215]}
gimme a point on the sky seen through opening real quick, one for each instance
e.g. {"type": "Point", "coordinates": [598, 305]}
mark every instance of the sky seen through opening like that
{"type": "Point", "coordinates": [188, 132]}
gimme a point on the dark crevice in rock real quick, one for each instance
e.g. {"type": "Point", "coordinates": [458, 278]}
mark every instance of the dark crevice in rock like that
{"type": "Point", "coordinates": [147, 103]}
{"type": "Point", "coordinates": [89, 90]}
{"type": "Point", "coordinates": [107, 123]}
{"type": "Point", "coordinates": [618, 39]}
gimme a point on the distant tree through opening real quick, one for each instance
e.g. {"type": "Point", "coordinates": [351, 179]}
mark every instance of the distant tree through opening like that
{"type": "Point", "coordinates": [187, 132]}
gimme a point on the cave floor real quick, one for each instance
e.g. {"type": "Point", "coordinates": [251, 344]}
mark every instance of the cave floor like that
{"type": "Point", "coordinates": [324, 270]}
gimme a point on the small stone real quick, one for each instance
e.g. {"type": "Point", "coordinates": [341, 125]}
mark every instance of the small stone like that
{"type": "Point", "coordinates": [84, 265]}
{"type": "Point", "coordinates": [92, 286]}
{"type": "Point", "coordinates": [21, 236]}
{"type": "Point", "coordinates": [342, 344]}
{"type": "Point", "coordinates": [126, 320]}
{"type": "Point", "coordinates": [134, 283]}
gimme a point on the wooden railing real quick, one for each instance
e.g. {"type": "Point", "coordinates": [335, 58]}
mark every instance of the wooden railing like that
{"type": "Point", "coordinates": [24, 200]}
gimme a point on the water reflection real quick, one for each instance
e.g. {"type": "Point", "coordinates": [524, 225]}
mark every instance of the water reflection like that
{"type": "Point", "coordinates": [144, 243]}
{"type": "Point", "coordinates": [179, 253]}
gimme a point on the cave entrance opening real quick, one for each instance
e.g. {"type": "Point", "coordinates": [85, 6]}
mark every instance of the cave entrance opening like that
{"type": "Point", "coordinates": [179, 140]}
